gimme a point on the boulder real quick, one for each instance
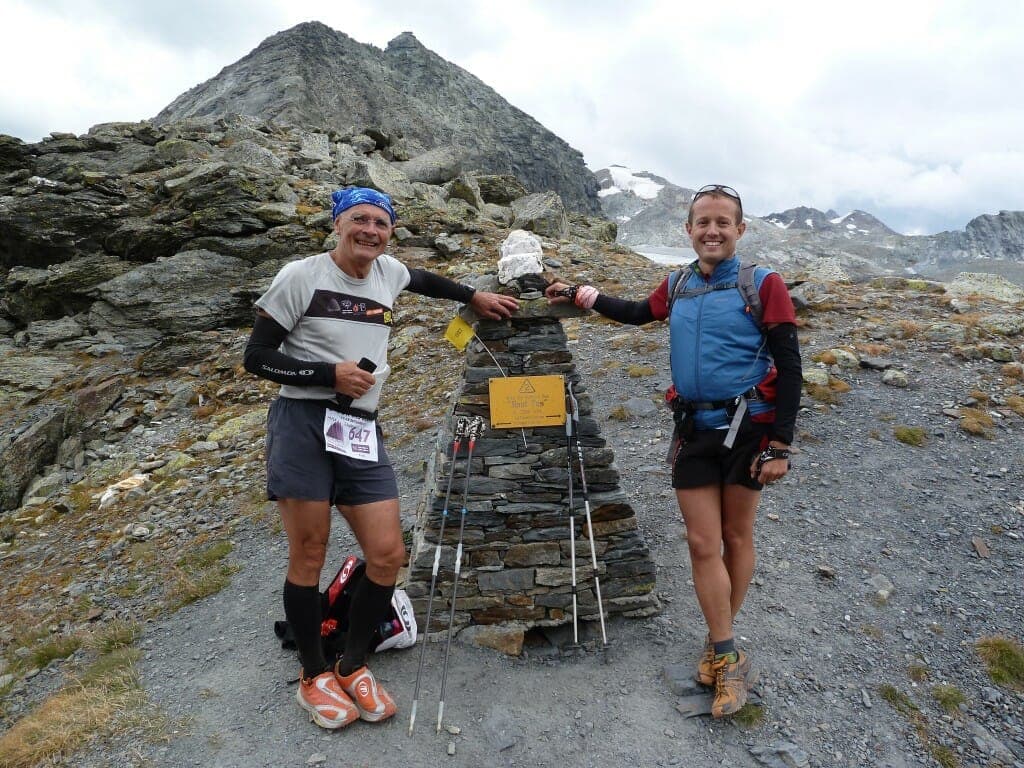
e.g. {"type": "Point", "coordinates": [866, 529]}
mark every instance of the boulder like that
{"type": "Point", "coordinates": [43, 294]}
{"type": "Point", "coordinates": [377, 173]}
{"type": "Point", "coordinates": [464, 187]}
{"type": "Point", "coordinates": [435, 166]}
{"type": "Point", "coordinates": [192, 290]}
{"type": "Point", "coordinates": [542, 213]}
{"type": "Point", "coordinates": [29, 452]}
{"type": "Point", "coordinates": [501, 188]}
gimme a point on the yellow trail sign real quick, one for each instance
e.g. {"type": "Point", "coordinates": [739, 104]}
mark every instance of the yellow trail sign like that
{"type": "Point", "coordinates": [527, 401]}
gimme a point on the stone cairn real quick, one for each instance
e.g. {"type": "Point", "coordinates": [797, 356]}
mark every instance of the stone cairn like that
{"type": "Point", "coordinates": [516, 573]}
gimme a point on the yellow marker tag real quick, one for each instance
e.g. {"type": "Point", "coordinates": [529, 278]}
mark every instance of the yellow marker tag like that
{"type": "Point", "coordinates": [459, 332]}
{"type": "Point", "coordinates": [527, 401]}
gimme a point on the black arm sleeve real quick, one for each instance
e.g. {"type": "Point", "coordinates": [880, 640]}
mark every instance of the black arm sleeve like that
{"type": "Point", "coordinates": [437, 287]}
{"type": "Point", "coordinates": [785, 349]}
{"type": "Point", "coordinates": [623, 310]}
{"type": "Point", "coordinates": [263, 358]}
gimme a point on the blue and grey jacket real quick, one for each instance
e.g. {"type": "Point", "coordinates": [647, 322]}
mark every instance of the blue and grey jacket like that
{"type": "Point", "coordinates": [718, 351]}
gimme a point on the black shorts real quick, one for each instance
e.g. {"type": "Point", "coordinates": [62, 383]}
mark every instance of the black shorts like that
{"type": "Point", "coordinates": [702, 460]}
{"type": "Point", "coordinates": [300, 467]}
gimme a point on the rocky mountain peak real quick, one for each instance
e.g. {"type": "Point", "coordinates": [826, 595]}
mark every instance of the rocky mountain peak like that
{"type": "Point", "coordinates": [314, 77]}
{"type": "Point", "coordinates": [406, 40]}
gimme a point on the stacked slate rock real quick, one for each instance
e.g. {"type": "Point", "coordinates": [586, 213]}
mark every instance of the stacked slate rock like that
{"type": "Point", "coordinates": [516, 572]}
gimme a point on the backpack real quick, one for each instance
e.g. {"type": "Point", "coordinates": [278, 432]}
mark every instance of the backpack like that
{"type": "Point", "coordinates": [397, 631]}
{"type": "Point", "coordinates": [744, 284]}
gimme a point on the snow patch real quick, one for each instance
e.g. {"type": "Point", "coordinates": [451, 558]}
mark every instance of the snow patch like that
{"type": "Point", "coordinates": [624, 180]}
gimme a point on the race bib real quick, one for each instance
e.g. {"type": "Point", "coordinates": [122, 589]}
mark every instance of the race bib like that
{"type": "Point", "coordinates": [350, 436]}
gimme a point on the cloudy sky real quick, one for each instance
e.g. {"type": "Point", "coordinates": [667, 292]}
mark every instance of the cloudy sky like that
{"type": "Point", "coordinates": [913, 111]}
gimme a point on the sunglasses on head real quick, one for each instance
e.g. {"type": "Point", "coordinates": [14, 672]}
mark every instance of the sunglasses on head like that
{"type": "Point", "coordinates": [715, 188]}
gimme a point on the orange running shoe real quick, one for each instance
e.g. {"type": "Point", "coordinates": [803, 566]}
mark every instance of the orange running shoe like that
{"type": "Point", "coordinates": [326, 702]}
{"type": "Point", "coordinates": [730, 685]}
{"type": "Point", "coordinates": [705, 670]}
{"type": "Point", "coordinates": [372, 701]}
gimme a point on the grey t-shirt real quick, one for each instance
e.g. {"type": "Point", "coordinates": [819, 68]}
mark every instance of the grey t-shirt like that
{"type": "Point", "coordinates": [332, 317]}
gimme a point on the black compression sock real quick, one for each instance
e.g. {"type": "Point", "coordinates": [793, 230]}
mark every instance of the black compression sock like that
{"type": "Point", "coordinates": [303, 611]}
{"type": "Point", "coordinates": [370, 603]}
{"type": "Point", "coordinates": [725, 648]}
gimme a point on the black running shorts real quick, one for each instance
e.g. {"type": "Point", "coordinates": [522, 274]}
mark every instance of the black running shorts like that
{"type": "Point", "coordinates": [702, 460]}
{"type": "Point", "coordinates": [300, 467]}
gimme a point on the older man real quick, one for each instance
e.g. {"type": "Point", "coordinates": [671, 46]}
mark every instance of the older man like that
{"type": "Point", "coordinates": [321, 316]}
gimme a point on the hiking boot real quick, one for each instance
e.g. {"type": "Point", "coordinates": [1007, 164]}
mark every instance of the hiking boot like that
{"type": "Point", "coordinates": [705, 671]}
{"type": "Point", "coordinates": [327, 704]}
{"type": "Point", "coordinates": [730, 685]}
{"type": "Point", "coordinates": [372, 701]}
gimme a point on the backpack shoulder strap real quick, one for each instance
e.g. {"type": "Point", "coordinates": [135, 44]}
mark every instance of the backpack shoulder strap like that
{"type": "Point", "coordinates": [748, 290]}
{"type": "Point", "coordinates": [681, 277]}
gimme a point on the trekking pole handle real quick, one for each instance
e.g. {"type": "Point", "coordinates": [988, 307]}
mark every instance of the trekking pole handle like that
{"type": "Point", "coordinates": [574, 407]}
{"type": "Point", "coordinates": [476, 427]}
{"type": "Point", "coordinates": [365, 364]}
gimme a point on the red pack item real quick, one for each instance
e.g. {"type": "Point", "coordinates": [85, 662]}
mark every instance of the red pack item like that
{"type": "Point", "coordinates": [397, 631]}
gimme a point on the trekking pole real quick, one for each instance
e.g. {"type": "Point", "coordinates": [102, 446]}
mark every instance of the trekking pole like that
{"type": "Point", "coordinates": [460, 432]}
{"type": "Point", "coordinates": [476, 426]}
{"type": "Point", "coordinates": [586, 508]}
{"type": "Point", "coordinates": [572, 526]}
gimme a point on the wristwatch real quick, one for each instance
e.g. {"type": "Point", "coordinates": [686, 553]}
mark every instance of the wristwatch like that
{"type": "Point", "coordinates": [770, 453]}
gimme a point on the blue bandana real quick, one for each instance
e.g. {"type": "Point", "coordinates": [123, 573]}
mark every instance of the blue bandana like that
{"type": "Point", "coordinates": [352, 196]}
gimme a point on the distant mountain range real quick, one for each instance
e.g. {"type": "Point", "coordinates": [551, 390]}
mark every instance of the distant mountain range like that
{"type": "Point", "coordinates": [650, 212]}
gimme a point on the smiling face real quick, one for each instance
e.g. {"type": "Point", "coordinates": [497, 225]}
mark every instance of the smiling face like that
{"type": "Point", "coordinates": [363, 233]}
{"type": "Point", "coordinates": [714, 226]}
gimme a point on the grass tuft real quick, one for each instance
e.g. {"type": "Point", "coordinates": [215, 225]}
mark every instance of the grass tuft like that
{"type": "Point", "coordinates": [975, 421]}
{"type": "Point", "coordinates": [749, 716]}
{"type": "Point", "coordinates": [59, 647]}
{"type": "Point", "coordinates": [949, 697]}
{"type": "Point", "coordinates": [917, 672]}
{"type": "Point", "coordinates": [619, 413]}
{"type": "Point", "coordinates": [1016, 404]}
{"type": "Point", "coordinates": [822, 394]}
{"type": "Point", "coordinates": [915, 436]}
{"type": "Point", "coordinates": [199, 574]}
{"type": "Point", "coordinates": [902, 703]}
{"type": "Point", "coordinates": [639, 371]}
{"type": "Point", "coordinates": [897, 699]}
{"type": "Point", "coordinates": [107, 698]}
{"type": "Point", "coordinates": [908, 329]}
{"type": "Point", "coordinates": [205, 557]}
{"type": "Point", "coordinates": [1004, 660]}
{"type": "Point", "coordinates": [188, 588]}
{"type": "Point", "coordinates": [114, 636]}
